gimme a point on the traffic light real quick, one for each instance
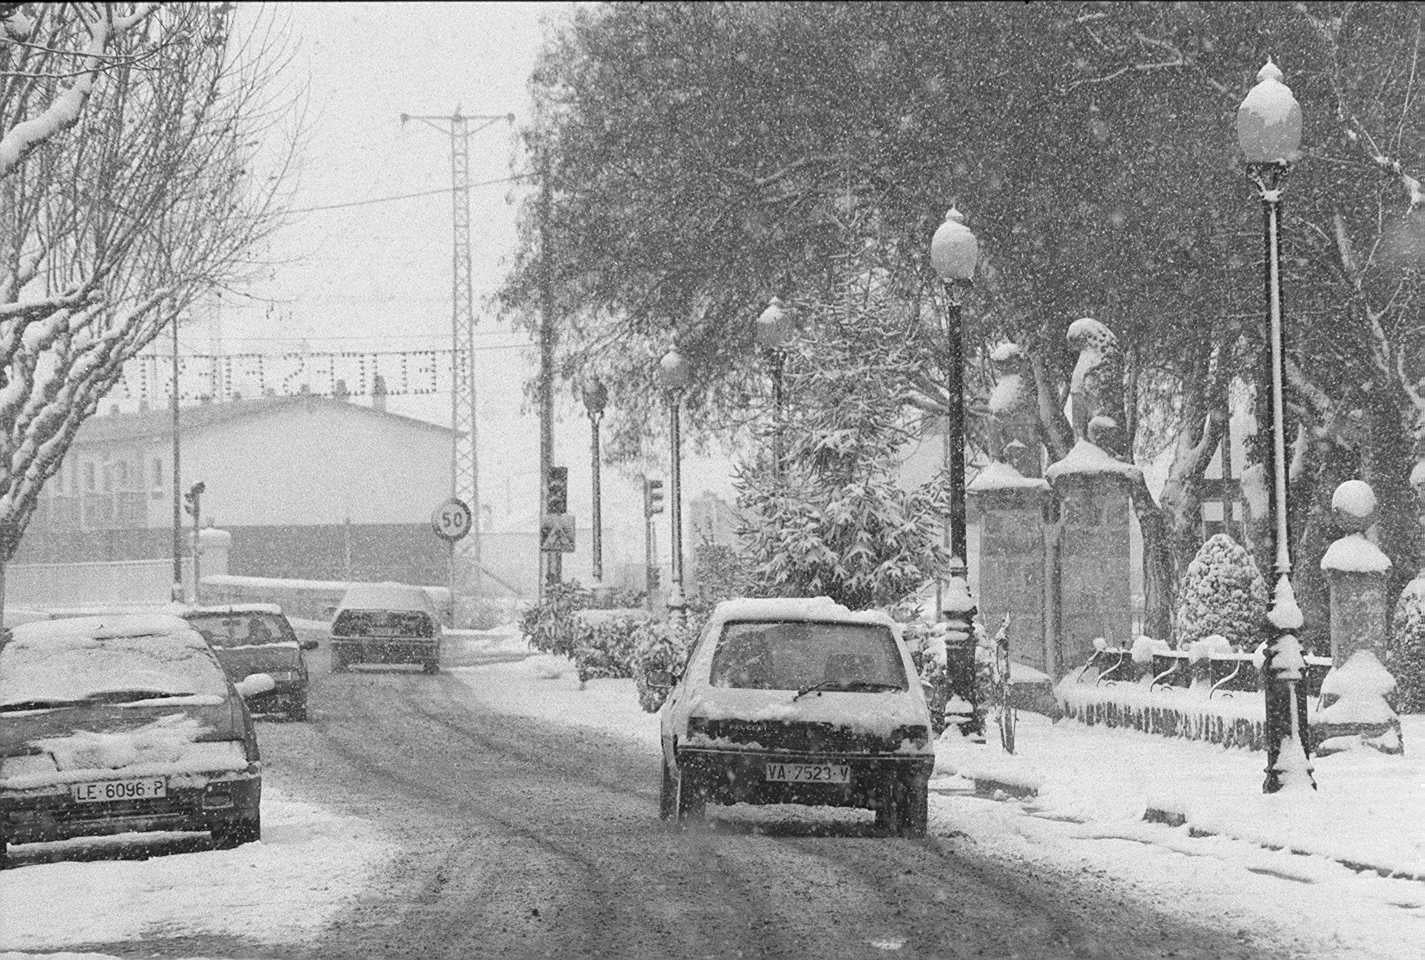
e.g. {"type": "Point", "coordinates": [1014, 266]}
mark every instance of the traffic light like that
{"type": "Point", "coordinates": [652, 497]}
{"type": "Point", "coordinates": [190, 499]}
{"type": "Point", "coordinates": [556, 490]}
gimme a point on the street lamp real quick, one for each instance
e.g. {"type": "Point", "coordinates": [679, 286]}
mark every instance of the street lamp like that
{"type": "Point", "coordinates": [1269, 132]}
{"type": "Point", "coordinates": [674, 376]}
{"type": "Point", "coordinates": [775, 330]}
{"type": "Point", "coordinates": [954, 251]}
{"type": "Point", "coordinates": [596, 395]}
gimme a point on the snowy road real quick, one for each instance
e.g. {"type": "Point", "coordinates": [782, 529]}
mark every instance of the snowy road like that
{"type": "Point", "coordinates": [521, 838]}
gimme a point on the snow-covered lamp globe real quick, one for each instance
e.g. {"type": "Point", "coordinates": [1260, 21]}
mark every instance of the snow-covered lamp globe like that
{"type": "Point", "coordinates": [954, 251]}
{"type": "Point", "coordinates": [1269, 120]}
{"type": "Point", "coordinates": [595, 395]}
{"type": "Point", "coordinates": [775, 327]}
{"type": "Point", "coordinates": [673, 371]}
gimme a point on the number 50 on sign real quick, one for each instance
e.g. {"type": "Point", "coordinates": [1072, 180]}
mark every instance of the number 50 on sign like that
{"type": "Point", "coordinates": [451, 520]}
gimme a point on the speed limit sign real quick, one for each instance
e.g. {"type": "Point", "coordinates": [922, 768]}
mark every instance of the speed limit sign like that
{"type": "Point", "coordinates": [451, 520]}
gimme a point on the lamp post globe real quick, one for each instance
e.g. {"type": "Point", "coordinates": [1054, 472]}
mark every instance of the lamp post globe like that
{"type": "Point", "coordinates": [775, 329]}
{"type": "Point", "coordinates": [673, 371]}
{"type": "Point", "coordinates": [595, 396]}
{"type": "Point", "coordinates": [954, 250]}
{"type": "Point", "coordinates": [1269, 120]}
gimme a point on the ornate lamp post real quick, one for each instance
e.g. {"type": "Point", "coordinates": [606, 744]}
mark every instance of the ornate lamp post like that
{"type": "Point", "coordinates": [1269, 132]}
{"type": "Point", "coordinates": [596, 396]}
{"type": "Point", "coordinates": [674, 376]}
{"type": "Point", "coordinates": [775, 330]}
{"type": "Point", "coordinates": [954, 251]}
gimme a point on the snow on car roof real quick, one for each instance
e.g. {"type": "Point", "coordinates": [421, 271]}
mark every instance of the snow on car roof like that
{"type": "Point", "coordinates": [224, 608]}
{"type": "Point", "coordinates": [74, 658]}
{"type": "Point", "coordinates": [387, 596]}
{"type": "Point", "coordinates": [796, 608]}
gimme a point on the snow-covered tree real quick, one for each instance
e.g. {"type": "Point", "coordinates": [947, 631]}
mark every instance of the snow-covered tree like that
{"type": "Point", "coordinates": [837, 521]}
{"type": "Point", "coordinates": [1404, 654]}
{"type": "Point", "coordinates": [1223, 594]}
{"type": "Point", "coordinates": [128, 135]}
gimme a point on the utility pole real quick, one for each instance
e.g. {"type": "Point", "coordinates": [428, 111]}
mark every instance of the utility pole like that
{"type": "Point", "coordinates": [464, 423]}
{"type": "Point", "coordinates": [551, 563]}
{"type": "Point", "coordinates": [177, 593]}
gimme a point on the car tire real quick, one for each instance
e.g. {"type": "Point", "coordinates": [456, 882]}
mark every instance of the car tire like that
{"type": "Point", "coordinates": [299, 710]}
{"type": "Point", "coordinates": [668, 796]}
{"type": "Point", "coordinates": [689, 803]}
{"type": "Point", "coordinates": [914, 807]}
{"type": "Point", "coordinates": [338, 661]}
{"type": "Point", "coordinates": [888, 810]}
{"type": "Point", "coordinates": [4, 856]}
{"type": "Point", "coordinates": [234, 833]}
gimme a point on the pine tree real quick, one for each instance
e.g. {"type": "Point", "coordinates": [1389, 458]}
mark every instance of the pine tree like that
{"type": "Point", "coordinates": [1222, 593]}
{"type": "Point", "coordinates": [1405, 648]}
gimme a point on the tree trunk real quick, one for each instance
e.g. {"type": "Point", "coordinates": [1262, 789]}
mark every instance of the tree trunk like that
{"type": "Point", "coordinates": [1159, 578]}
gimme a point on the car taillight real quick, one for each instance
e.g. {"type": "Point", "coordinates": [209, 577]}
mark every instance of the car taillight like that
{"type": "Point", "coordinates": [917, 734]}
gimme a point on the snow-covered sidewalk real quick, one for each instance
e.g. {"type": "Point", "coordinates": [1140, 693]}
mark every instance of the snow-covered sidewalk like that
{"type": "Point", "coordinates": [1368, 810]}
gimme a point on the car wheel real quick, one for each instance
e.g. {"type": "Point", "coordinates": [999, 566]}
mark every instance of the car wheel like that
{"type": "Point", "coordinates": [888, 810]}
{"type": "Point", "coordinates": [4, 857]}
{"type": "Point", "coordinates": [915, 807]}
{"type": "Point", "coordinates": [338, 662]}
{"type": "Point", "coordinates": [299, 709]}
{"type": "Point", "coordinates": [234, 833]}
{"type": "Point", "coordinates": [689, 803]}
{"type": "Point", "coordinates": [668, 797]}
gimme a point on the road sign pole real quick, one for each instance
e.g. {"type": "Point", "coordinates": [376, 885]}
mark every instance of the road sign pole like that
{"type": "Point", "coordinates": [450, 580]}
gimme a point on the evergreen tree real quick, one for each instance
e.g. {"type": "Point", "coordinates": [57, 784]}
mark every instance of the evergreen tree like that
{"type": "Point", "coordinates": [1222, 593]}
{"type": "Point", "coordinates": [1405, 649]}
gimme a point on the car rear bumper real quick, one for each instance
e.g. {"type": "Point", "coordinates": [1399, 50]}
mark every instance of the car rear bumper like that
{"type": "Point", "coordinates": [203, 802]}
{"type": "Point", "coordinates": [397, 650]}
{"type": "Point", "coordinates": [739, 776]}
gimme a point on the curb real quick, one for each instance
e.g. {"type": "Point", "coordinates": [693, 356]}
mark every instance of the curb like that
{"type": "Point", "coordinates": [1176, 818]}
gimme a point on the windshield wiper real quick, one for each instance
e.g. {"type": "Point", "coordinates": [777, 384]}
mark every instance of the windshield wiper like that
{"type": "Point", "coordinates": [128, 696]}
{"type": "Point", "coordinates": [17, 705]}
{"type": "Point", "coordinates": [848, 686]}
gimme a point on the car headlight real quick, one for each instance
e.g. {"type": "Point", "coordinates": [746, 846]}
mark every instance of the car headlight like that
{"type": "Point", "coordinates": [29, 765]}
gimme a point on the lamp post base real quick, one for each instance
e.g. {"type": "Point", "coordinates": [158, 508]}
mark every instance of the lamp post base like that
{"type": "Point", "coordinates": [958, 613]}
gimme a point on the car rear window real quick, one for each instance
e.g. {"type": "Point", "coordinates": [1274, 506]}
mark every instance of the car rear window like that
{"type": "Point", "coordinates": [793, 655]}
{"type": "Point", "coordinates": [382, 623]}
{"type": "Point", "coordinates": [242, 629]}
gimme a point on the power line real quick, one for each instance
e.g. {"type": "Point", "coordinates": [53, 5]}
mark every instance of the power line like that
{"type": "Point", "coordinates": [407, 196]}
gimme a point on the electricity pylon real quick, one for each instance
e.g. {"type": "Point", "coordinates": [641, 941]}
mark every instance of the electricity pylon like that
{"type": "Point", "coordinates": [464, 441]}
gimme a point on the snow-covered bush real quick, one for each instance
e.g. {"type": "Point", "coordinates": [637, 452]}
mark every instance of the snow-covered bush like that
{"type": "Point", "coordinates": [548, 626]}
{"type": "Point", "coordinates": [604, 642]}
{"type": "Point", "coordinates": [660, 646]}
{"type": "Point", "coordinates": [1405, 648]}
{"type": "Point", "coordinates": [1222, 593]}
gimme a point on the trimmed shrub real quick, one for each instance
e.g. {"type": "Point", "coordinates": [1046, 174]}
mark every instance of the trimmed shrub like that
{"type": "Point", "coordinates": [1405, 649]}
{"type": "Point", "coordinates": [658, 645]}
{"type": "Point", "coordinates": [549, 626]}
{"type": "Point", "coordinates": [1222, 593]}
{"type": "Point", "coordinates": [603, 642]}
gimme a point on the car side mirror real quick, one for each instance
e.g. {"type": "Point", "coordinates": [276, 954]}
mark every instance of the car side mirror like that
{"type": "Point", "coordinates": [307, 644]}
{"type": "Point", "coordinates": [662, 678]}
{"type": "Point", "coordinates": [254, 684]}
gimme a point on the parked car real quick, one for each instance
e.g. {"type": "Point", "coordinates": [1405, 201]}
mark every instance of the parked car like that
{"type": "Point", "coordinates": [123, 723]}
{"type": "Point", "coordinates": [797, 701]}
{"type": "Point", "coordinates": [386, 623]}
{"type": "Point", "coordinates": [257, 638]}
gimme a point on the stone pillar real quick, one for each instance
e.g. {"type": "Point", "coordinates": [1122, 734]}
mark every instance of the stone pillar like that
{"type": "Point", "coordinates": [1091, 583]}
{"type": "Point", "coordinates": [1353, 694]}
{"type": "Point", "coordinates": [1009, 510]}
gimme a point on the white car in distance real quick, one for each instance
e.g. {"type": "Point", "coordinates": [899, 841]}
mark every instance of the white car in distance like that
{"type": "Point", "coordinates": [798, 701]}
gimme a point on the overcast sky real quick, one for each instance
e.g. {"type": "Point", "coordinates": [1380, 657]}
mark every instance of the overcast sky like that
{"type": "Point", "coordinates": [378, 276]}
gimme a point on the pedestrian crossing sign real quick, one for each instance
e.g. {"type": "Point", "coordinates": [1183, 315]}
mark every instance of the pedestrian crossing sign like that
{"type": "Point", "coordinates": [556, 533]}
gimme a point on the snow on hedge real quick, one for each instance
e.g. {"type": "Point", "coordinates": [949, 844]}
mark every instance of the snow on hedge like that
{"type": "Point", "coordinates": [1405, 648]}
{"type": "Point", "coordinates": [1222, 593]}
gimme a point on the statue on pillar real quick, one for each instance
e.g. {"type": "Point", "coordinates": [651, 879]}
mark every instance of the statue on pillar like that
{"type": "Point", "coordinates": [1014, 413]}
{"type": "Point", "coordinates": [1096, 387]}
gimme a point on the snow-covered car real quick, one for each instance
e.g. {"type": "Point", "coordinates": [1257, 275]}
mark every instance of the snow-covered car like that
{"type": "Point", "coordinates": [386, 623]}
{"type": "Point", "coordinates": [257, 638]}
{"type": "Point", "coordinates": [125, 723]}
{"type": "Point", "coordinates": [798, 701]}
